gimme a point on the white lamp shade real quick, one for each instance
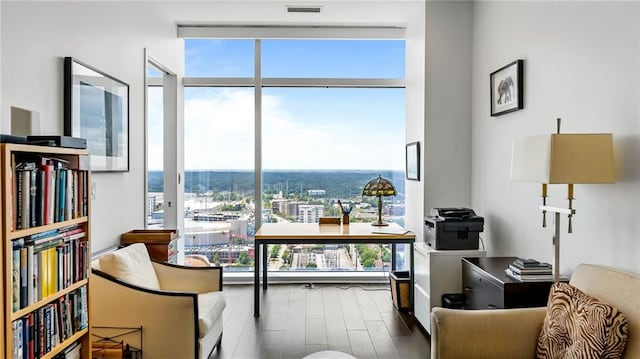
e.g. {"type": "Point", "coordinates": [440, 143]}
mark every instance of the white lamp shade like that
{"type": "Point", "coordinates": [563, 158]}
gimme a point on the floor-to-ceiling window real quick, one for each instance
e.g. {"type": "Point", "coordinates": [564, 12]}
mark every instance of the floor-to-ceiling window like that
{"type": "Point", "coordinates": [155, 148]}
{"type": "Point", "coordinates": [330, 116]}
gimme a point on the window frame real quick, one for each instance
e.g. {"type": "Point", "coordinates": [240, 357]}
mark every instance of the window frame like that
{"type": "Point", "coordinates": [392, 32]}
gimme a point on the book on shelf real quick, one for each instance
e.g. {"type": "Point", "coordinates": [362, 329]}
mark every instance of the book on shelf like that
{"type": "Point", "coordinates": [23, 277]}
{"type": "Point", "coordinates": [46, 190]}
{"type": "Point", "coordinates": [31, 321]}
{"type": "Point", "coordinates": [47, 262]}
{"type": "Point", "coordinates": [16, 246]}
{"type": "Point", "coordinates": [70, 352]}
{"type": "Point", "coordinates": [42, 330]}
{"type": "Point", "coordinates": [532, 270]}
{"type": "Point", "coordinates": [33, 190]}
{"type": "Point", "coordinates": [39, 200]}
{"type": "Point", "coordinates": [529, 277]}
{"type": "Point", "coordinates": [529, 263]}
{"type": "Point", "coordinates": [16, 327]}
{"type": "Point", "coordinates": [31, 294]}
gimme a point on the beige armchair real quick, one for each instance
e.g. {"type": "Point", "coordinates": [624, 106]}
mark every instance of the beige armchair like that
{"type": "Point", "coordinates": [180, 308]}
{"type": "Point", "coordinates": [513, 333]}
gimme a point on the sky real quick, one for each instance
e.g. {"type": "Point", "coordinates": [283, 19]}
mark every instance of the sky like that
{"type": "Point", "coordinates": [302, 128]}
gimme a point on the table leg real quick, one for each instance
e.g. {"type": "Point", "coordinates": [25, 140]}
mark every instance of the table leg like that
{"type": "Point", "coordinates": [393, 256]}
{"type": "Point", "coordinates": [256, 281]}
{"type": "Point", "coordinates": [265, 265]}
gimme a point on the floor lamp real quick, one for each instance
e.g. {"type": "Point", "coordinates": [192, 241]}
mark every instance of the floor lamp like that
{"type": "Point", "coordinates": [562, 159]}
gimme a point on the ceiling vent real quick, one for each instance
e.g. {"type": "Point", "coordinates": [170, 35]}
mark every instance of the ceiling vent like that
{"type": "Point", "coordinates": [304, 9]}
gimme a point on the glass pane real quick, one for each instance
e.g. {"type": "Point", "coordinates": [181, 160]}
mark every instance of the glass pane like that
{"type": "Point", "coordinates": [219, 58]}
{"type": "Point", "coordinates": [323, 145]}
{"type": "Point", "coordinates": [154, 72]}
{"type": "Point", "coordinates": [333, 58]}
{"type": "Point", "coordinates": [155, 157]}
{"type": "Point", "coordinates": [219, 176]}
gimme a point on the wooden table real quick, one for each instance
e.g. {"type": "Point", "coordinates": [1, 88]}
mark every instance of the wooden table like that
{"type": "Point", "coordinates": [313, 233]}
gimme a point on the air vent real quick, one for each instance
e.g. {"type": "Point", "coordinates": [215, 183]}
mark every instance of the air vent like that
{"type": "Point", "coordinates": [304, 9]}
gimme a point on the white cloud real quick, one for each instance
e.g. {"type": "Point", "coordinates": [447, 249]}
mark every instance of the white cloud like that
{"type": "Point", "coordinates": [219, 135]}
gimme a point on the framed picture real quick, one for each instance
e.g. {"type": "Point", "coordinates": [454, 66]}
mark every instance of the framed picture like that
{"type": "Point", "coordinates": [506, 88]}
{"type": "Point", "coordinates": [413, 161]}
{"type": "Point", "coordinates": [96, 107]}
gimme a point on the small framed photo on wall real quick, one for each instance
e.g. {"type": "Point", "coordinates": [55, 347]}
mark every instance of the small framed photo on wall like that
{"type": "Point", "coordinates": [413, 161]}
{"type": "Point", "coordinates": [507, 88]}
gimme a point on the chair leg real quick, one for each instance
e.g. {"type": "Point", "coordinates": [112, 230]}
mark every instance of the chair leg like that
{"type": "Point", "coordinates": [216, 346]}
{"type": "Point", "coordinates": [219, 343]}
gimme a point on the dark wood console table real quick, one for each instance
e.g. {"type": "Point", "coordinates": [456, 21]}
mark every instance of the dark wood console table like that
{"type": "Point", "coordinates": [487, 286]}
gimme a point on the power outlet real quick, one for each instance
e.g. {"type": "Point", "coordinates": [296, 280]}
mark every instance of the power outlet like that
{"type": "Point", "coordinates": [93, 190]}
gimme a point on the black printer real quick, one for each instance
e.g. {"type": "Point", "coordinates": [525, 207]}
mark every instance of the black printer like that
{"type": "Point", "coordinates": [453, 228]}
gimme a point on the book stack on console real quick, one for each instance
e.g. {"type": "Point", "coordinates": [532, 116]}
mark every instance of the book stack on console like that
{"type": "Point", "coordinates": [529, 270]}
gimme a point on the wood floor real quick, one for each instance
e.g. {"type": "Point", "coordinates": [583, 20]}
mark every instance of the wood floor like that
{"type": "Point", "coordinates": [296, 321]}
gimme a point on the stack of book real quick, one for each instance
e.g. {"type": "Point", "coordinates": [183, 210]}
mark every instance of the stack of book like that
{"type": "Point", "coordinates": [529, 270]}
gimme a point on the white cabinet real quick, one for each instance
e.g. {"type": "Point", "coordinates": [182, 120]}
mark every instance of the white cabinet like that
{"type": "Point", "coordinates": [436, 272]}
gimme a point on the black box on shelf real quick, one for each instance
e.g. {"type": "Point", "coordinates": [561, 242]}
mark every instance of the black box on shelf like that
{"type": "Point", "coordinates": [58, 141]}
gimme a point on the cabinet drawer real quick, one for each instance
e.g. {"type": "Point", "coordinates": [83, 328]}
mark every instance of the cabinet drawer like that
{"type": "Point", "coordinates": [422, 308]}
{"type": "Point", "coordinates": [480, 291]}
{"type": "Point", "coordinates": [422, 270]}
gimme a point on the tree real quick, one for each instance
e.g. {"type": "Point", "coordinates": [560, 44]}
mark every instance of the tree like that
{"type": "Point", "coordinates": [286, 256]}
{"type": "Point", "coordinates": [312, 265]}
{"type": "Point", "coordinates": [216, 258]}
{"type": "Point", "coordinates": [368, 263]}
{"type": "Point", "coordinates": [244, 258]}
{"type": "Point", "coordinates": [274, 251]}
{"type": "Point", "coordinates": [386, 256]}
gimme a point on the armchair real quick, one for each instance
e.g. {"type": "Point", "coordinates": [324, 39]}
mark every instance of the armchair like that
{"type": "Point", "coordinates": [180, 308]}
{"type": "Point", "coordinates": [513, 333]}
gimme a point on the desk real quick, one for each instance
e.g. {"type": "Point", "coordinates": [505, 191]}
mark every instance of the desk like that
{"type": "Point", "coordinates": [486, 285]}
{"type": "Point", "coordinates": [313, 233]}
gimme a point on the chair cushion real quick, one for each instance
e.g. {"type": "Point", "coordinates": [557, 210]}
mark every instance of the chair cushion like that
{"type": "Point", "coordinates": [579, 326]}
{"type": "Point", "coordinates": [132, 265]}
{"type": "Point", "coordinates": [210, 307]}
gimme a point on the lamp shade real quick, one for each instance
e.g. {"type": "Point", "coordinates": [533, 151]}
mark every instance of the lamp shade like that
{"type": "Point", "coordinates": [379, 186]}
{"type": "Point", "coordinates": [563, 158]}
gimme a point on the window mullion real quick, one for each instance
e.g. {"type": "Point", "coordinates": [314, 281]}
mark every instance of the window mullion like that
{"type": "Point", "coordinates": [258, 138]}
{"type": "Point", "coordinates": [291, 82]}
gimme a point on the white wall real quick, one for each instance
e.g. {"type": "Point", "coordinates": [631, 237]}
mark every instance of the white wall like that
{"type": "Point", "coordinates": [581, 64]}
{"type": "Point", "coordinates": [112, 35]}
{"type": "Point", "coordinates": [447, 127]}
{"type": "Point", "coordinates": [35, 38]}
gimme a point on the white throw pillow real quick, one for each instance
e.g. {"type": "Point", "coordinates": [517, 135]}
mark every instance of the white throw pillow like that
{"type": "Point", "coordinates": [132, 265]}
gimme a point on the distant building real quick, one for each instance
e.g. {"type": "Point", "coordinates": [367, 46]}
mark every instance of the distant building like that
{"type": "Point", "coordinates": [216, 217]}
{"type": "Point", "coordinates": [226, 254]}
{"type": "Point", "coordinates": [239, 228]}
{"type": "Point", "coordinates": [293, 208]}
{"type": "Point", "coordinates": [206, 238]}
{"type": "Point", "coordinates": [153, 200]}
{"type": "Point", "coordinates": [279, 205]}
{"type": "Point", "coordinates": [310, 213]}
{"type": "Point", "coordinates": [316, 193]}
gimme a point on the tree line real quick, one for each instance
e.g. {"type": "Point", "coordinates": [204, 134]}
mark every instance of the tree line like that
{"type": "Point", "coordinates": [336, 184]}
